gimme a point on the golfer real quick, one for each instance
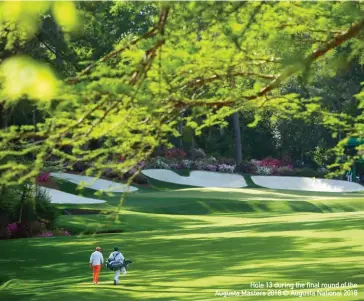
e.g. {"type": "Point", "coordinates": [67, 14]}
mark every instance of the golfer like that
{"type": "Point", "coordinates": [96, 260]}
{"type": "Point", "coordinates": [118, 257]}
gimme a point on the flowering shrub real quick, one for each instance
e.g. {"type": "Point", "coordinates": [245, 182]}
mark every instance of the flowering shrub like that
{"type": "Point", "coordinates": [43, 177]}
{"type": "Point", "coordinates": [270, 166]}
{"type": "Point", "coordinates": [175, 153]}
{"type": "Point", "coordinates": [286, 171]}
{"type": "Point", "coordinates": [13, 228]}
{"type": "Point", "coordinates": [61, 232]}
{"type": "Point", "coordinates": [209, 167]}
{"type": "Point", "coordinates": [197, 153]}
{"type": "Point", "coordinates": [158, 163]}
{"type": "Point", "coordinates": [184, 164]}
{"type": "Point", "coordinates": [226, 168]}
{"type": "Point", "coordinates": [187, 163]}
{"type": "Point", "coordinates": [265, 170]}
{"type": "Point", "coordinates": [57, 232]}
{"type": "Point", "coordinates": [46, 234]}
{"type": "Point", "coordinates": [270, 162]}
{"type": "Point", "coordinates": [199, 165]}
{"type": "Point", "coordinates": [176, 165]}
{"type": "Point", "coordinates": [246, 167]}
{"type": "Point", "coordinates": [211, 160]}
{"type": "Point", "coordinates": [205, 164]}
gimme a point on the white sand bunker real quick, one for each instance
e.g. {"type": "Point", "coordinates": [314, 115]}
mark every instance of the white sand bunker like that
{"type": "Point", "coordinates": [198, 178]}
{"type": "Point", "coordinates": [306, 184]}
{"type": "Point", "coordinates": [94, 183]}
{"type": "Point", "coordinates": [60, 197]}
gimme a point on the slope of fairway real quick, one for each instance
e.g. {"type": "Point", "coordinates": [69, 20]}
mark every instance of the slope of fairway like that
{"type": "Point", "coordinates": [206, 240]}
{"type": "Point", "coordinates": [227, 200]}
{"type": "Point", "coordinates": [191, 201]}
{"type": "Point", "coordinates": [191, 259]}
{"type": "Point", "coordinates": [197, 178]}
{"type": "Point", "coordinates": [306, 184]}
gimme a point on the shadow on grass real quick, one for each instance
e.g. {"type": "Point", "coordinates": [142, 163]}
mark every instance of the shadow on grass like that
{"type": "Point", "coordinates": [181, 263]}
{"type": "Point", "coordinates": [202, 206]}
{"type": "Point", "coordinates": [174, 268]}
{"type": "Point", "coordinates": [123, 222]}
{"type": "Point", "coordinates": [189, 201]}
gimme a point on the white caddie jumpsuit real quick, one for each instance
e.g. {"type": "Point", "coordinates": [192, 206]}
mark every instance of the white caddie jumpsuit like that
{"type": "Point", "coordinates": [118, 257]}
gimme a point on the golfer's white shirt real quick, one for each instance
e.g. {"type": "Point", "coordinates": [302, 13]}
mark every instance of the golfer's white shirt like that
{"type": "Point", "coordinates": [96, 258]}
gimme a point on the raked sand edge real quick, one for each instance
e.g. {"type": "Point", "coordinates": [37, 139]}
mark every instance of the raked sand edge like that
{"type": "Point", "coordinates": [198, 178]}
{"type": "Point", "coordinates": [306, 184]}
{"type": "Point", "coordinates": [94, 183]}
{"type": "Point", "coordinates": [60, 197]}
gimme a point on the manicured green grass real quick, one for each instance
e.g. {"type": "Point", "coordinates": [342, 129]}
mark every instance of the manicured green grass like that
{"type": "Point", "coordinates": [125, 221]}
{"type": "Point", "coordinates": [220, 200]}
{"type": "Point", "coordinates": [189, 201]}
{"type": "Point", "coordinates": [191, 260]}
{"type": "Point", "coordinates": [186, 244]}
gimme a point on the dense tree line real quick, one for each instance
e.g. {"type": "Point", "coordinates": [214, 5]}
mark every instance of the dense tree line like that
{"type": "Point", "coordinates": [130, 76]}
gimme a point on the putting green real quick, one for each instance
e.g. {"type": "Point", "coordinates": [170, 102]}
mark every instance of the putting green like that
{"type": "Point", "coordinates": [192, 256]}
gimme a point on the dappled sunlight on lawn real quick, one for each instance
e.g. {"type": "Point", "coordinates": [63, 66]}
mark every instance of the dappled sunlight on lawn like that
{"type": "Point", "coordinates": [189, 257]}
{"type": "Point", "coordinates": [272, 192]}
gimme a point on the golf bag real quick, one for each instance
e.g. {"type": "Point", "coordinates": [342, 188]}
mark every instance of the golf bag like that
{"type": "Point", "coordinates": [114, 265]}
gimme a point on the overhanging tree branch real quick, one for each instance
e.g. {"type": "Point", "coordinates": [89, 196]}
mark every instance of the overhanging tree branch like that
{"type": "Point", "coordinates": [337, 41]}
{"type": "Point", "coordinates": [158, 28]}
{"type": "Point", "coordinates": [307, 61]}
{"type": "Point", "coordinates": [136, 78]}
{"type": "Point", "coordinates": [202, 81]}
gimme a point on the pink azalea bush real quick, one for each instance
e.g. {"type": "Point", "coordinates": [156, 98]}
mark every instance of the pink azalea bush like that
{"type": "Point", "coordinates": [158, 163]}
{"type": "Point", "coordinates": [175, 158]}
{"type": "Point", "coordinates": [43, 177]}
{"type": "Point", "coordinates": [175, 153]}
{"type": "Point", "coordinates": [209, 164]}
{"type": "Point", "coordinates": [57, 232]}
{"type": "Point", "coordinates": [271, 166]}
{"type": "Point", "coordinates": [46, 234]}
{"type": "Point", "coordinates": [209, 167]}
{"type": "Point", "coordinates": [226, 168]}
{"type": "Point", "coordinates": [13, 227]}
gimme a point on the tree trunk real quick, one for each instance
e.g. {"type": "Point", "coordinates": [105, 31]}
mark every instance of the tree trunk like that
{"type": "Point", "coordinates": [59, 60]}
{"type": "Point", "coordinates": [5, 118]}
{"type": "Point", "coordinates": [237, 134]}
{"type": "Point", "coordinates": [22, 204]}
{"type": "Point", "coordinates": [180, 130]}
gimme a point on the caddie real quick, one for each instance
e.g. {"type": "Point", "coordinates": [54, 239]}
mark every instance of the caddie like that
{"type": "Point", "coordinates": [117, 257]}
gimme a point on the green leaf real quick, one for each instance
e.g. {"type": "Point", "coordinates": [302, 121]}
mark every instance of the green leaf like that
{"type": "Point", "coordinates": [23, 76]}
{"type": "Point", "coordinates": [65, 14]}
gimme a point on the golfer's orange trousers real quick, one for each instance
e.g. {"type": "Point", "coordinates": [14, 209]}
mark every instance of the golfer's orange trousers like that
{"type": "Point", "coordinates": [96, 269]}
